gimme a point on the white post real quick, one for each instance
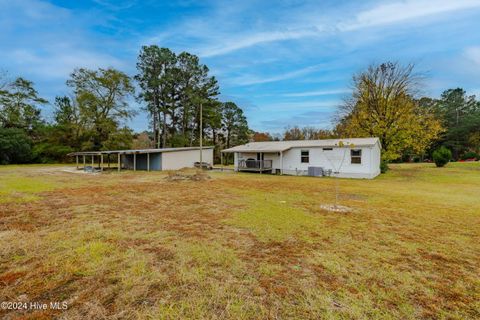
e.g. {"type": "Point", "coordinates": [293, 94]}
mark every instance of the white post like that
{"type": "Point", "coordinates": [134, 162]}
{"type": "Point", "coordinates": [93, 159]}
{"type": "Point", "coordinates": [221, 160]}
{"type": "Point", "coordinates": [281, 162]}
{"type": "Point", "coordinates": [119, 162]}
{"type": "Point", "coordinates": [148, 161]}
{"type": "Point", "coordinates": [261, 163]}
{"type": "Point", "coordinates": [83, 162]}
{"type": "Point", "coordinates": [101, 162]}
{"type": "Point", "coordinates": [76, 159]}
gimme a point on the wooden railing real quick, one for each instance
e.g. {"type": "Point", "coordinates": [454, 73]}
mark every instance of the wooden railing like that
{"type": "Point", "coordinates": [255, 164]}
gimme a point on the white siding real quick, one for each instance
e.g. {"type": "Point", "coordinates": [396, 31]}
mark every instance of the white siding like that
{"type": "Point", "coordinates": [337, 160]}
{"type": "Point", "coordinates": [185, 159]}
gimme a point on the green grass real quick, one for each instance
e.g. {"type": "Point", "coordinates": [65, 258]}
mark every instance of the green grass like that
{"type": "Point", "coordinates": [242, 246]}
{"type": "Point", "coordinates": [19, 188]}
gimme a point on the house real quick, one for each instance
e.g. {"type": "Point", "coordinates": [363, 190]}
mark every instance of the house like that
{"type": "Point", "coordinates": [346, 158]}
{"type": "Point", "coordinates": [145, 159]}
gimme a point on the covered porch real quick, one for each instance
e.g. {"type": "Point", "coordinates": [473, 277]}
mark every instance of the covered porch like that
{"type": "Point", "coordinates": [255, 165]}
{"type": "Point", "coordinates": [257, 160]}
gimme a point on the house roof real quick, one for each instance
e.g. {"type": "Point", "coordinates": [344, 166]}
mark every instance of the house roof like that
{"type": "Point", "coordinates": [132, 151]}
{"type": "Point", "coordinates": [278, 146]}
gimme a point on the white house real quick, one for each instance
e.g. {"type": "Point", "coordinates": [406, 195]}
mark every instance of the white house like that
{"type": "Point", "coordinates": [346, 158]}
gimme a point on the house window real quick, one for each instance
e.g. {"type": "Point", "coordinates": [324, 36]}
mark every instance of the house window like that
{"type": "Point", "coordinates": [305, 156]}
{"type": "Point", "coordinates": [327, 149]}
{"type": "Point", "coordinates": [356, 156]}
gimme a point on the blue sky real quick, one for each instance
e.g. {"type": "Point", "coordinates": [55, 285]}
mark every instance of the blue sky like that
{"type": "Point", "coordinates": [284, 62]}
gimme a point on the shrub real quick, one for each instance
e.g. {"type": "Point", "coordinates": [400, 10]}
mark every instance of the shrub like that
{"type": "Point", "coordinates": [441, 156]}
{"type": "Point", "coordinates": [15, 146]}
{"type": "Point", "coordinates": [470, 155]}
{"type": "Point", "coordinates": [383, 166]}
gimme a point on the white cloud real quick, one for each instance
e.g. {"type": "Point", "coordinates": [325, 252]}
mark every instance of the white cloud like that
{"type": "Point", "coordinates": [58, 63]}
{"type": "Point", "coordinates": [250, 80]}
{"type": "Point", "coordinates": [381, 14]}
{"type": "Point", "coordinates": [316, 105]}
{"type": "Point", "coordinates": [250, 40]}
{"type": "Point", "coordinates": [316, 93]}
{"type": "Point", "coordinates": [399, 11]}
{"type": "Point", "coordinates": [472, 54]}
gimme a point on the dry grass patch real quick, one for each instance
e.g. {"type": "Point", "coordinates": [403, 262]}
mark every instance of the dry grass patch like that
{"type": "Point", "coordinates": [242, 246]}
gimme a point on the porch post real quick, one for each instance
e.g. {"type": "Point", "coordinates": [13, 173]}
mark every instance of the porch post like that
{"type": "Point", "coordinates": [261, 162]}
{"type": "Point", "coordinates": [93, 159]}
{"type": "Point", "coordinates": [83, 162]}
{"type": "Point", "coordinates": [148, 161]}
{"type": "Point", "coordinates": [221, 160]}
{"type": "Point", "coordinates": [119, 162]}
{"type": "Point", "coordinates": [134, 162]}
{"type": "Point", "coordinates": [108, 160]}
{"type": "Point", "coordinates": [76, 160]}
{"type": "Point", "coordinates": [101, 162]}
{"type": "Point", "coordinates": [281, 162]}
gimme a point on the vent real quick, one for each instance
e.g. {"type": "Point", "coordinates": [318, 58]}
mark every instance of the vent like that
{"type": "Point", "coordinates": [315, 171]}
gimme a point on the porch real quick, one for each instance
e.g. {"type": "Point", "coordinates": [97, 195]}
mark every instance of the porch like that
{"type": "Point", "coordinates": [255, 165]}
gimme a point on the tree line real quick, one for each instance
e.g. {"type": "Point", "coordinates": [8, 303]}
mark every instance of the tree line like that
{"type": "Point", "coordinates": [385, 102]}
{"type": "Point", "coordinates": [172, 88]}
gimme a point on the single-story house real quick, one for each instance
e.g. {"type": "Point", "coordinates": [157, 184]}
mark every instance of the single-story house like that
{"type": "Point", "coordinates": [346, 158]}
{"type": "Point", "coordinates": [146, 159]}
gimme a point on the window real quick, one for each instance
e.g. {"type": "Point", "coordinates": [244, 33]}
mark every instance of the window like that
{"type": "Point", "coordinates": [304, 155]}
{"type": "Point", "coordinates": [327, 149]}
{"type": "Point", "coordinates": [356, 156]}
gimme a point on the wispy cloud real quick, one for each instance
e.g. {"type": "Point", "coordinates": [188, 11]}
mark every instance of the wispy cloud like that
{"type": "Point", "coordinates": [250, 40]}
{"type": "Point", "coordinates": [473, 55]}
{"type": "Point", "coordinates": [399, 11]}
{"type": "Point", "coordinates": [282, 106]}
{"type": "Point", "coordinates": [256, 79]}
{"type": "Point", "coordinates": [217, 43]}
{"type": "Point", "coordinates": [316, 93]}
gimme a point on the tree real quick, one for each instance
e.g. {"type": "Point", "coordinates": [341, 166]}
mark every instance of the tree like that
{"type": "Point", "coordinates": [15, 146]}
{"type": "Point", "coordinates": [261, 136]}
{"type": "Point", "coordinates": [442, 156]}
{"type": "Point", "coordinates": [294, 133]}
{"type": "Point", "coordinates": [156, 79]}
{"type": "Point", "coordinates": [383, 105]}
{"type": "Point", "coordinates": [19, 106]}
{"type": "Point", "coordinates": [142, 141]}
{"type": "Point", "coordinates": [173, 88]}
{"type": "Point", "coordinates": [102, 100]}
{"type": "Point", "coordinates": [234, 124]}
{"type": "Point", "coordinates": [68, 122]}
{"type": "Point", "coordinates": [307, 133]}
{"type": "Point", "coordinates": [461, 118]}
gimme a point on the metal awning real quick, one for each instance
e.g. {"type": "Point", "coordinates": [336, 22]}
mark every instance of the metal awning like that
{"type": "Point", "coordinates": [134, 151]}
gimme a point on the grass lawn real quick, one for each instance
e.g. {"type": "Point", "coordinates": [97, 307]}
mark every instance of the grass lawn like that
{"type": "Point", "coordinates": [134, 245]}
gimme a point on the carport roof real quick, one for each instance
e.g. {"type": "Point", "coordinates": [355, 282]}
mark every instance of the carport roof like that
{"type": "Point", "coordinates": [135, 151]}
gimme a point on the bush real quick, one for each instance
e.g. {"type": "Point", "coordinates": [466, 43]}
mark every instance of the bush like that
{"type": "Point", "coordinates": [441, 156]}
{"type": "Point", "coordinates": [470, 155]}
{"type": "Point", "coordinates": [15, 146]}
{"type": "Point", "coordinates": [383, 166]}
